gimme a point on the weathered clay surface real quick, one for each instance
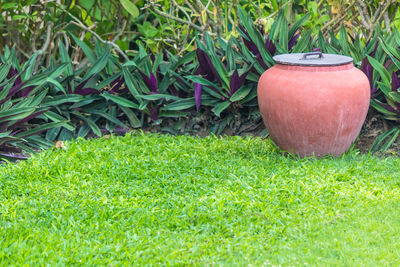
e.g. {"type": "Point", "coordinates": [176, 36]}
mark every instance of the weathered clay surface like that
{"type": "Point", "coordinates": [314, 110]}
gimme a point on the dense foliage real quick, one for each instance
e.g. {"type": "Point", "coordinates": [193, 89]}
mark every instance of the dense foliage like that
{"type": "Point", "coordinates": [80, 82]}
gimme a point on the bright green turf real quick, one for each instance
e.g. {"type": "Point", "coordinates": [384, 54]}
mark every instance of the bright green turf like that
{"type": "Point", "coordinates": [184, 200]}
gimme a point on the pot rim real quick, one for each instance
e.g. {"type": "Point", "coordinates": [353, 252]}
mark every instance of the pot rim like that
{"type": "Point", "coordinates": [313, 59]}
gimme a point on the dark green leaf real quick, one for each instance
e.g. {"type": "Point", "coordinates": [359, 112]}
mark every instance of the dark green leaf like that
{"type": "Point", "coordinates": [221, 107]}
{"type": "Point", "coordinates": [108, 117]}
{"type": "Point", "coordinates": [202, 81]}
{"type": "Point", "coordinates": [30, 65]}
{"type": "Point", "coordinates": [154, 97]}
{"type": "Point", "coordinates": [121, 101]}
{"type": "Point", "coordinates": [65, 57]}
{"type": "Point", "coordinates": [375, 104]}
{"type": "Point", "coordinates": [99, 65]}
{"type": "Point", "coordinates": [381, 138]}
{"type": "Point", "coordinates": [15, 111]}
{"type": "Point", "coordinates": [395, 96]}
{"type": "Point", "coordinates": [61, 99]}
{"type": "Point", "coordinates": [85, 48]}
{"type": "Point", "coordinates": [298, 23]}
{"type": "Point", "coordinates": [343, 40]}
{"type": "Point", "coordinates": [241, 93]}
{"type": "Point", "coordinates": [52, 134]}
{"type": "Point", "coordinates": [58, 118]}
{"type": "Point", "coordinates": [133, 119]}
{"type": "Point", "coordinates": [4, 70]}
{"type": "Point", "coordinates": [380, 69]}
{"type": "Point", "coordinates": [180, 104]}
{"type": "Point", "coordinates": [40, 128]}
{"type": "Point", "coordinates": [302, 43]}
{"type": "Point", "coordinates": [129, 81]}
{"type": "Point", "coordinates": [392, 52]}
{"type": "Point", "coordinates": [391, 140]}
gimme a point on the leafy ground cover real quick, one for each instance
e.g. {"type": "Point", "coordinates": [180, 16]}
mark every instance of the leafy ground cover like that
{"type": "Point", "coordinates": [147, 198]}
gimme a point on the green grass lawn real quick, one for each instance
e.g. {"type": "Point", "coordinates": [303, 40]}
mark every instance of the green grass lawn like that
{"type": "Point", "coordinates": [185, 200]}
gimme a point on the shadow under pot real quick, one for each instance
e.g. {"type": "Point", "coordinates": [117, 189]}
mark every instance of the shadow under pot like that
{"type": "Point", "coordinates": [313, 104]}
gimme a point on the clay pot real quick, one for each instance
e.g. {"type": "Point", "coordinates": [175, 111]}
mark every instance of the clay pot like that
{"type": "Point", "coordinates": [313, 103]}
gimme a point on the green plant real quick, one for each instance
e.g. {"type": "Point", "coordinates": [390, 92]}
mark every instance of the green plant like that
{"type": "Point", "coordinates": [387, 72]}
{"type": "Point", "coordinates": [222, 84]}
{"type": "Point", "coordinates": [158, 85]}
{"type": "Point", "coordinates": [22, 94]}
{"type": "Point", "coordinates": [259, 48]}
{"type": "Point", "coordinates": [86, 96]}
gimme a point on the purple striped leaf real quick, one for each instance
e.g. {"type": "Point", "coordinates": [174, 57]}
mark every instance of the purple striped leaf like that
{"type": "Point", "coordinates": [121, 130]}
{"type": "Point", "coordinates": [248, 43]}
{"type": "Point", "coordinates": [387, 107]}
{"type": "Point", "coordinates": [151, 81]}
{"type": "Point", "coordinates": [113, 83]}
{"type": "Point", "coordinates": [234, 82]}
{"type": "Point", "coordinates": [86, 91]}
{"type": "Point", "coordinates": [206, 68]}
{"type": "Point", "coordinates": [237, 81]}
{"type": "Point", "coordinates": [374, 51]}
{"type": "Point", "coordinates": [367, 68]}
{"type": "Point", "coordinates": [395, 82]}
{"type": "Point", "coordinates": [27, 90]}
{"type": "Point", "coordinates": [69, 87]}
{"type": "Point", "coordinates": [389, 63]}
{"type": "Point", "coordinates": [26, 119]}
{"type": "Point", "coordinates": [270, 46]}
{"type": "Point", "coordinates": [244, 31]}
{"type": "Point", "coordinates": [174, 91]}
{"type": "Point", "coordinates": [13, 156]}
{"type": "Point", "coordinates": [153, 112]}
{"type": "Point", "coordinates": [12, 92]}
{"type": "Point", "coordinates": [293, 41]}
{"type": "Point", "coordinates": [374, 92]}
{"type": "Point", "coordinates": [116, 84]}
{"type": "Point", "coordinates": [197, 95]}
{"type": "Point", "coordinates": [13, 72]}
{"type": "Point", "coordinates": [82, 84]}
{"type": "Point", "coordinates": [261, 62]}
{"type": "Point", "coordinates": [252, 47]}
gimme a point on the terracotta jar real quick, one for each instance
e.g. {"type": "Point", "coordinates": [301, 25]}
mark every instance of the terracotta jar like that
{"type": "Point", "coordinates": [313, 103]}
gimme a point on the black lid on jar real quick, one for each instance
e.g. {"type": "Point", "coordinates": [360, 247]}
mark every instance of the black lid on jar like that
{"type": "Point", "coordinates": [312, 59]}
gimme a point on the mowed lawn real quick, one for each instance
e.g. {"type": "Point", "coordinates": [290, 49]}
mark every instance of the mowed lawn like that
{"type": "Point", "coordinates": [149, 199]}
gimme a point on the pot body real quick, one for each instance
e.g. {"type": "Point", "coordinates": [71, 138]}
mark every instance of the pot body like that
{"type": "Point", "coordinates": [313, 110]}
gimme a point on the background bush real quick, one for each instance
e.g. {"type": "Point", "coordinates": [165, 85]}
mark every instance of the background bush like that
{"type": "Point", "coordinates": [39, 25]}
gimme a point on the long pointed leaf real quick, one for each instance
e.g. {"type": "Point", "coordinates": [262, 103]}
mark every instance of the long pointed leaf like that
{"type": "Point", "coordinates": [40, 128]}
{"type": "Point", "coordinates": [221, 107]}
{"type": "Point", "coordinates": [121, 101]}
{"type": "Point", "coordinates": [85, 48]}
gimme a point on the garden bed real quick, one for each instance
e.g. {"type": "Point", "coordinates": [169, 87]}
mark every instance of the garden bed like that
{"type": "Point", "coordinates": [373, 127]}
{"type": "Point", "coordinates": [85, 88]}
